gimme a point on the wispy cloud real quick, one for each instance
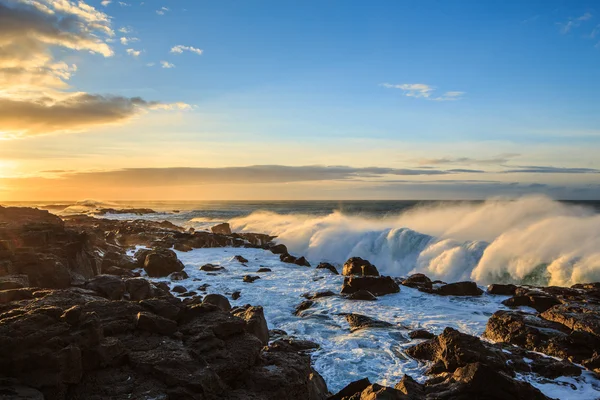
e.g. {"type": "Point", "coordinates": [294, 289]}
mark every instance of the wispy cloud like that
{"type": "Point", "coordinates": [566, 27]}
{"type": "Point", "coordinates": [123, 4]}
{"type": "Point", "coordinates": [126, 40]}
{"type": "Point", "coordinates": [179, 49]}
{"type": "Point", "coordinates": [105, 2]}
{"type": "Point", "coordinates": [166, 64]}
{"type": "Point", "coordinates": [551, 170]}
{"type": "Point", "coordinates": [162, 11]}
{"type": "Point", "coordinates": [134, 53]}
{"type": "Point", "coordinates": [125, 29]}
{"type": "Point", "coordinates": [424, 91]}
{"type": "Point", "coordinates": [500, 159]}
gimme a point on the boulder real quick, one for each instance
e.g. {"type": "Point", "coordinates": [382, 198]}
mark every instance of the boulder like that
{"type": "Point", "coordinates": [318, 295]}
{"type": "Point", "coordinates": [351, 389]}
{"type": "Point", "coordinates": [418, 281]}
{"type": "Point", "coordinates": [218, 300]}
{"type": "Point", "coordinates": [278, 249]}
{"type": "Point", "coordinates": [183, 247]}
{"type": "Point", "coordinates": [378, 285]}
{"type": "Point", "coordinates": [537, 300]}
{"type": "Point", "coordinates": [179, 289]}
{"type": "Point", "coordinates": [358, 266]}
{"type": "Point", "coordinates": [138, 288]}
{"type": "Point", "coordinates": [179, 276]}
{"type": "Point", "coordinates": [153, 323]}
{"type": "Point", "coordinates": [221, 229]}
{"type": "Point", "coordinates": [162, 262]}
{"type": "Point", "coordinates": [506, 290]}
{"type": "Point", "coordinates": [325, 265]}
{"type": "Point", "coordinates": [303, 262]}
{"type": "Point", "coordinates": [305, 305]}
{"type": "Point", "coordinates": [263, 269]}
{"type": "Point", "coordinates": [109, 286]}
{"type": "Point", "coordinates": [211, 268]}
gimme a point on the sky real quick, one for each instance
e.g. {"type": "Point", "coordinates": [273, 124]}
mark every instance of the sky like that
{"type": "Point", "coordinates": [312, 99]}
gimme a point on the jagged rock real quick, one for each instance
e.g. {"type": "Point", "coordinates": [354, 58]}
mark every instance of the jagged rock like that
{"type": "Point", "coordinates": [162, 262]}
{"type": "Point", "coordinates": [221, 229]}
{"type": "Point", "coordinates": [358, 266]}
{"type": "Point", "coordinates": [351, 389]}
{"type": "Point", "coordinates": [293, 344]}
{"type": "Point", "coordinates": [455, 289]}
{"type": "Point", "coordinates": [119, 260]}
{"type": "Point", "coordinates": [256, 323]}
{"type": "Point", "coordinates": [6, 296]}
{"type": "Point", "coordinates": [218, 300]}
{"type": "Point", "coordinates": [584, 317]}
{"type": "Point", "coordinates": [250, 278]}
{"type": "Point", "coordinates": [540, 335]}
{"type": "Point", "coordinates": [378, 285]}
{"type": "Point", "coordinates": [358, 321]}
{"type": "Point", "coordinates": [411, 388]}
{"type": "Point", "coordinates": [418, 281]}
{"type": "Point", "coordinates": [164, 308]}
{"type": "Point", "coordinates": [496, 288]}
{"type": "Point", "coordinates": [539, 301]}
{"type": "Point", "coordinates": [303, 262]}
{"type": "Point", "coordinates": [109, 286]}
{"type": "Point", "coordinates": [305, 305]}
{"type": "Point", "coordinates": [421, 334]}
{"type": "Point", "coordinates": [287, 258]}
{"type": "Point", "coordinates": [112, 270]}
{"type": "Point", "coordinates": [453, 349]}
{"type": "Point", "coordinates": [236, 295]}
{"type": "Point", "coordinates": [325, 265]}
{"type": "Point", "coordinates": [362, 295]}
{"type": "Point", "coordinates": [240, 259]}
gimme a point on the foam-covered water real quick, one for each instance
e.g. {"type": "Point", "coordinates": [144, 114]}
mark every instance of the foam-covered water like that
{"type": "Point", "coordinates": [378, 354]}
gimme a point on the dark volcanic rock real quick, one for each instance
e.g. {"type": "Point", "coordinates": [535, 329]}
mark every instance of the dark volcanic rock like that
{"type": "Point", "coordinates": [162, 262]}
{"type": "Point", "coordinates": [256, 323]}
{"type": "Point", "coordinates": [236, 295]}
{"type": "Point", "coordinates": [221, 229]}
{"type": "Point", "coordinates": [240, 259]}
{"type": "Point", "coordinates": [358, 266]}
{"type": "Point", "coordinates": [539, 301]}
{"type": "Point", "coordinates": [287, 258]}
{"type": "Point", "coordinates": [263, 269]}
{"type": "Point", "coordinates": [179, 276]}
{"type": "Point", "coordinates": [179, 289]}
{"type": "Point", "coordinates": [378, 285]}
{"type": "Point", "coordinates": [303, 262]}
{"type": "Point", "coordinates": [13, 282]}
{"type": "Point", "coordinates": [250, 278]}
{"type": "Point", "coordinates": [211, 268]}
{"type": "Point", "coordinates": [351, 389]}
{"type": "Point", "coordinates": [421, 334]}
{"type": "Point", "coordinates": [138, 288]}
{"type": "Point", "coordinates": [418, 281]}
{"type": "Point", "coordinates": [453, 349]}
{"type": "Point", "coordinates": [278, 249]}
{"type": "Point", "coordinates": [318, 295]}
{"type": "Point", "coordinates": [305, 305]}
{"type": "Point", "coordinates": [362, 295]}
{"type": "Point", "coordinates": [359, 321]}
{"type": "Point", "coordinates": [497, 288]}
{"type": "Point", "coordinates": [218, 300]}
{"type": "Point", "coordinates": [455, 289]}
{"type": "Point", "coordinates": [109, 286]}
{"type": "Point", "coordinates": [325, 265]}
{"type": "Point", "coordinates": [67, 345]}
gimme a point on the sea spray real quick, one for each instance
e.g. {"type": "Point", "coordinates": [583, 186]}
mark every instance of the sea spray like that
{"type": "Point", "coordinates": [532, 240]}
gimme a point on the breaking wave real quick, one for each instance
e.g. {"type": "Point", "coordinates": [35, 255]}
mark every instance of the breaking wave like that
{"type": "Point", "coordinates": [532, 240]}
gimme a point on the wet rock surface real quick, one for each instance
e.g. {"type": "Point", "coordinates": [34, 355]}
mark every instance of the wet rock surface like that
{"type": "Point", "coordinates": [358, 266]}
{"type": "Point", "coordinates": [377, 285]}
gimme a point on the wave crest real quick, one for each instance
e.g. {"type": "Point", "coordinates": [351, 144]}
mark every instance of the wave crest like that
{"type": "Point", "coordinates": [531, 240]}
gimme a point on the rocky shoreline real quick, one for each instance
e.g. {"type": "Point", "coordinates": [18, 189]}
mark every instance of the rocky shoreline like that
{"type": "Point", "coordinates": [79, 321]}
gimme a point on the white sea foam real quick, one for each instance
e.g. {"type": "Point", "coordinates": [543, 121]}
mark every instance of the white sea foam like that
{"type": "Point", "coordinates": [529, 240]}
{"type": "Point", "coordinates": [378, 354]}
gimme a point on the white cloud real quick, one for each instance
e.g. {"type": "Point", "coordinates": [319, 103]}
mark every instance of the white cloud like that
{"type": "Point", "coordinates": [134, 53]}
{"type": "Point", "coordinates": [125, 29]}
{"type": "Point", "coordinates": [105, 2]}
{"type": "Point", "coordinates": [162, 11]}
{"type": "Point", "coordinates": [126, 40]}
{"type": "Point", "coordinates": [123, 4]}
{"type": "Point", "coordinates": [166, 64]}
{"type": "Point", "coordinates": [421, 90]}
{"type": "Point", "coordinates": [180, 49]}
{"type": "Point", "coordinates": [566, 27]}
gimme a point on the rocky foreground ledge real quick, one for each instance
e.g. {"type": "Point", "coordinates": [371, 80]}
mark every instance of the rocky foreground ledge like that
{"type": "Point", "coordinates": [78, 322]}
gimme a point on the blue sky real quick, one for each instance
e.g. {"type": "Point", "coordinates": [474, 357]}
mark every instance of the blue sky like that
{"type": "Point", "coordinates": [352, 83]}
